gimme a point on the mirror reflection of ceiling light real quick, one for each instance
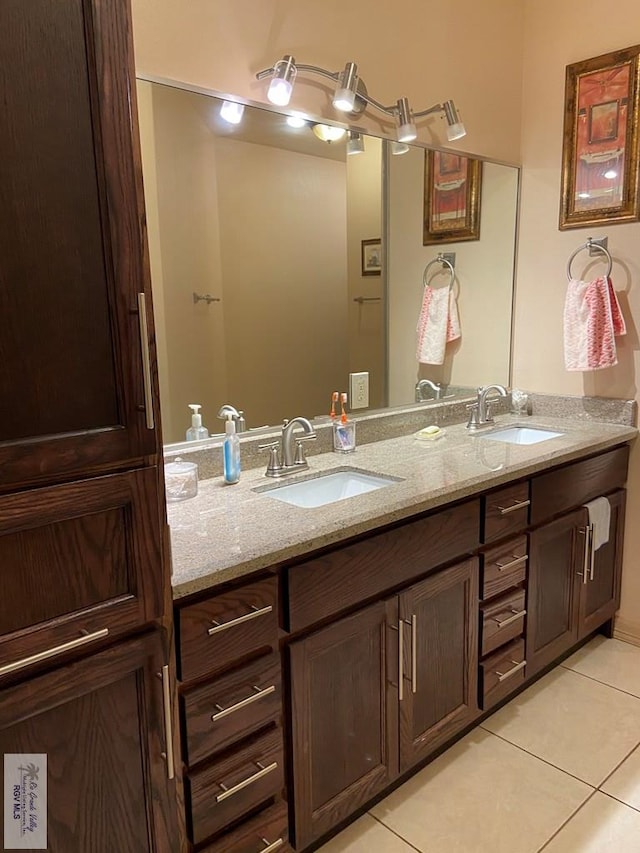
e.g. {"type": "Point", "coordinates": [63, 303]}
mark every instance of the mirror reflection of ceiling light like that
{"type": "Point", "coordinates": [610, 174]}
{"type": "Point", "coordinates": [351, 96]}
{"type": "Point", "coordinates": [296, 120]}
{"type": "Point", "coordinates": [355, 143]}
{"type": "Point", "coordinates": [399, 147]}
{"type": "Point", "coordinates": [328, 132]}
{"type": "Point", "coordinates": [231, 112]}
{"type": "Point", "coordinates": [584, 195]}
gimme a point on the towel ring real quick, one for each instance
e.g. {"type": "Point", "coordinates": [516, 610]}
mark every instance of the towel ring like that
{"type": "Point", "coordinates": [591, 245]}
{"type": "Point", "coordinates": [445, 263]}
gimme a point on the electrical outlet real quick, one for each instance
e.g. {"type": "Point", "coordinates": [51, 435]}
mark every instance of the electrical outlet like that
{"type": "Point", "coordinates": [359, 390]}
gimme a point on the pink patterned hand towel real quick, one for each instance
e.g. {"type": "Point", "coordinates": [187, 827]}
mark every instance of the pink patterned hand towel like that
{"type": "Point", "coordinates": [592, 320]}
{"type": "Point", "coordinates": [438, 324]}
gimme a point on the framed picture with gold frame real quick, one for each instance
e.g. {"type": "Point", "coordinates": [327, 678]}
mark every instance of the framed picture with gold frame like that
{"type": "Point", "coordinates": [452, 186]}
{"type": "Point", "coordinates": [600, 144]}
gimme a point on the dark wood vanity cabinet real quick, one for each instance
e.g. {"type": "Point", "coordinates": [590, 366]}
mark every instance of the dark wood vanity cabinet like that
{"type": "Point", "coordinates": [376, 692]}
{"type": "Point", "coordinates": [76, 350]}
{"type": "Point", "coordinates": [572, 589]}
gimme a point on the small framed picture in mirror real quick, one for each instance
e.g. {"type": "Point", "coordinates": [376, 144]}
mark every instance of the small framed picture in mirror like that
{"type": "Point", "coordinates": [452, 185]}
{"type": "Point", "coordinates": [372, 257]}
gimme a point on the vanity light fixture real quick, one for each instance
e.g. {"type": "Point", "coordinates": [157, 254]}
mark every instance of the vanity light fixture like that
{"type": "Point", "coordinates": [231, 112]}
{"type": "Point", "coordinates": [355, 143]}
{"type": "Point", "coordinates": [328, 132]}
{"type": "Point", "coordinates": [351, 96]}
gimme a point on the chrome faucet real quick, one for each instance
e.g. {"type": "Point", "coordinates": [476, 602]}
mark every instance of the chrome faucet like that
{"type": "Point", "coordinates": [238, 417]}
{"type": "Point", "coordinates": [480, 414]}
{"type": "Point", "coordinates": [287, 455]}
{"type": "Point", "coordinates": [427, 383]}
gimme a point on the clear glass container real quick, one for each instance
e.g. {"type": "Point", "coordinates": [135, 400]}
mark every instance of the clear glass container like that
{"type": "Point", "coordinates": [181, 480]}
{"type": "Point", "coordinates": [344, 436]}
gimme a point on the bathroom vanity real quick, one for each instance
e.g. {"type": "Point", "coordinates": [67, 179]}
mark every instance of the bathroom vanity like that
{"type": "Point", "coordinates": [325, 654]}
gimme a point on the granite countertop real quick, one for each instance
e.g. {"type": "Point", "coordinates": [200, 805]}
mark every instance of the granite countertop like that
{"type": "Point", "coordinates": [226, 532]}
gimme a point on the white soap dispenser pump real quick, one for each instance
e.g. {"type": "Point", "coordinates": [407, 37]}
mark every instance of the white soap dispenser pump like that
{"type": "Point", "coordinates": [231, 452]}
{"type": "Point", "coordinates": [196, 430]}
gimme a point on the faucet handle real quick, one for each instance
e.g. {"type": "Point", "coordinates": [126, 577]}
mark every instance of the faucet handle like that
{"type": "Point", "coordinates": [299, 457]}
{"type": "Point", "coordinates": [474, 420]}
{"type": "Point", "coordinates": [273, 465]}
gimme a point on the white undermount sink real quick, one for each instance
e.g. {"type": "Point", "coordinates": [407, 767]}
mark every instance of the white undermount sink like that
{"type": "Point", "coordinates": [328, 488]}
{"type": "Point", "coordinates": [522, 435]}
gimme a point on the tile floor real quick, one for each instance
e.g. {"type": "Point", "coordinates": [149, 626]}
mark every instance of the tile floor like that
{"type": "Point", "coordinates": [556, 770]}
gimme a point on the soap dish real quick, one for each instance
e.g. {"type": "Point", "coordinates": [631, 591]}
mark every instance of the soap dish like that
{"type": "Point", "coordinates": [429, 434]}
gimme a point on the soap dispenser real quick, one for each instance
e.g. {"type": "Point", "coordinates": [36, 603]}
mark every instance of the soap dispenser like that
{"type": "Point", "coordinates": [231, 452]}
{"type": "Point", "coordinates": [196, 430]}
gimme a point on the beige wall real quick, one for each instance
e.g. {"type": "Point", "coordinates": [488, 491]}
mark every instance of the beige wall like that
{"type": "Point", "coordinates": [559, 33]}
{"type": "Point", "coordinates": [425, 50]}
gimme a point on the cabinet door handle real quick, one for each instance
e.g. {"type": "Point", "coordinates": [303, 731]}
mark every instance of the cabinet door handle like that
{"type": "Point", "coordinates": [55, 650]}
{"type": "Point", "coordinates": [400, 659]}
{"type": "Point", "coordinates": [229, 792]}
{"type": "Point", "coordinates": [504, 510]}
{"type": "Point", "coordinates": [168, 729]}
{"type": "Point", "coordinates": [255, 612]}
{"type": "Point", "coordinates": [274, 845]}
{"type": "Point", "coordinates": [146, 360]}
{"type": "Point", "coordinates": [414, 653]}
{"type": "Point", "coordinates": [517, 614]}
{"type": "Point", "coordinates": [259, 694]}
{"type": "Point", "coordinates": [593, 553]}
{"type": "Point", "coordinates": [584, 574]}
{"type": "Point", "coordinates": [502, 676]}
{"type": "Point", "coordinates": [512, 563]}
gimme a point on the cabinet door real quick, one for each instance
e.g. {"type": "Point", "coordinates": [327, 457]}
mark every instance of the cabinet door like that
{"type": "Point", "coordinates": [78, 562]}
{"type": "Point", "coordinates": [599, 591]}
{"type": "Point", "coordinates": [344, 718]}
{"type": "Point", "coordinates": [555, 557]}
{"type": "Point", "coordinates": [74, 391]}
{"type": "Point", "coordinates": [439, 618]}
{"type": "Point", "coordinates": [100, 724]}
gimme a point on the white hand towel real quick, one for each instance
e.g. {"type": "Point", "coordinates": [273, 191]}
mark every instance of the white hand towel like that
{"type": "Point", "coordinates": [600, 518]}
{"type": "Point", "coordinates": [438, 324]}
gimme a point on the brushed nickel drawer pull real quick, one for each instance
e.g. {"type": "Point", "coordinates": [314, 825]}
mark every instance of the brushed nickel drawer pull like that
{"type": "Point", "coordinates": [229, 792]}
{"type": "Point", "coordinates": [414, 653]}
{"type": "Point", "coordinates": [400, 660]}
{"type": "Point", "coordinates": [502, 676]}
{"type": "Point", "coordinates": [275, 845]}
{"type": "Point", "coordinates": [512, 563]}
{"type": "Point", "coordinates": [168, 729]}
{"type": "Point", "coordinates": [55, 650]}
{"type": "Point", "coordinates": [146, 360]}
{"type": "Point", "coordinates": [593, 552]}
{"type": "Point", "coordinates": [517, 614]}
{"type": "Point", "coordinates": [504, 510]}
{"type": "Point", "coordinates": [259, 694]}
{"type": "Point", "coordinates": [255, 612]}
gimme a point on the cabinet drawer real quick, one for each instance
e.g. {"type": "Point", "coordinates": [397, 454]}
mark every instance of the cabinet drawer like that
{"type": "Point", "coordinates": [224, 791]}
{"type": "Point", "coordinates": [220, 630]}
{"type": "Point", "coordinates": [231, 707]}
{"type": "Point", "coordinates": [506, 511]}
{"type": "Point", "coordinates": [80, 562]}
{"type": "Point", "coordinates": [266, 832]}
{"type": "Point", "coordinates": [348, 576]}
{"type": "Point", "coordinates": [574, 484]}
{"type": "Point", "coordinates": [502, 620]}
{"type": "Point", "coordinates": [501, 673]}
{"type": "Point", "coordinates": [503, 567]}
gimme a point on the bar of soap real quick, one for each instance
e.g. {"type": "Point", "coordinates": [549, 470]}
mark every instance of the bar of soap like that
{"type": "Point", "coordinates": [430, 433]}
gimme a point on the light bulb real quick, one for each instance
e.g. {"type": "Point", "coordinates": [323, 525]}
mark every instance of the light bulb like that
{"type": "Point", "coordinates": [279, 92]}
{"type": "Point", "coordinates": [407, 132]}
{"type": "Point", "coordinates": [296, 120]}
{"type": "Point", "coordinates": [355, 143]}
{"type": "Point", "coordinates": [455, 131]}
{"type": "Point", "coordinates": [399, 147]}
{"type": "Point", "coordinates": [344, 98]}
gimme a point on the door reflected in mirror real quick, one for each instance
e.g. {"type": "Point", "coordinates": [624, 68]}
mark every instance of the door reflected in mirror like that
{"type": "Point", "coordinates": [261, 296]}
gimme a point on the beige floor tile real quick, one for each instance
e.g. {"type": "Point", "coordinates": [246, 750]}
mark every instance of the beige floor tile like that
{"type": "Point", "coordinates": [482, 796]}
{"type": "Point", "coordinates": [601, 826]}
{"type": "Point", "coordinates": [625, 783]}
{"type": "Point", "coordinates": [366, 835]}
{"type": "Point", "coordinates": [575, 723]}
{"type": "Point", "coordinates": [610, 661]}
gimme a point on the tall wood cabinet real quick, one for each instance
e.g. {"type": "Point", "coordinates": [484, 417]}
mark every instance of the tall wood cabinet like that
{"type": "Point", "coordinates": [84, 663]}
